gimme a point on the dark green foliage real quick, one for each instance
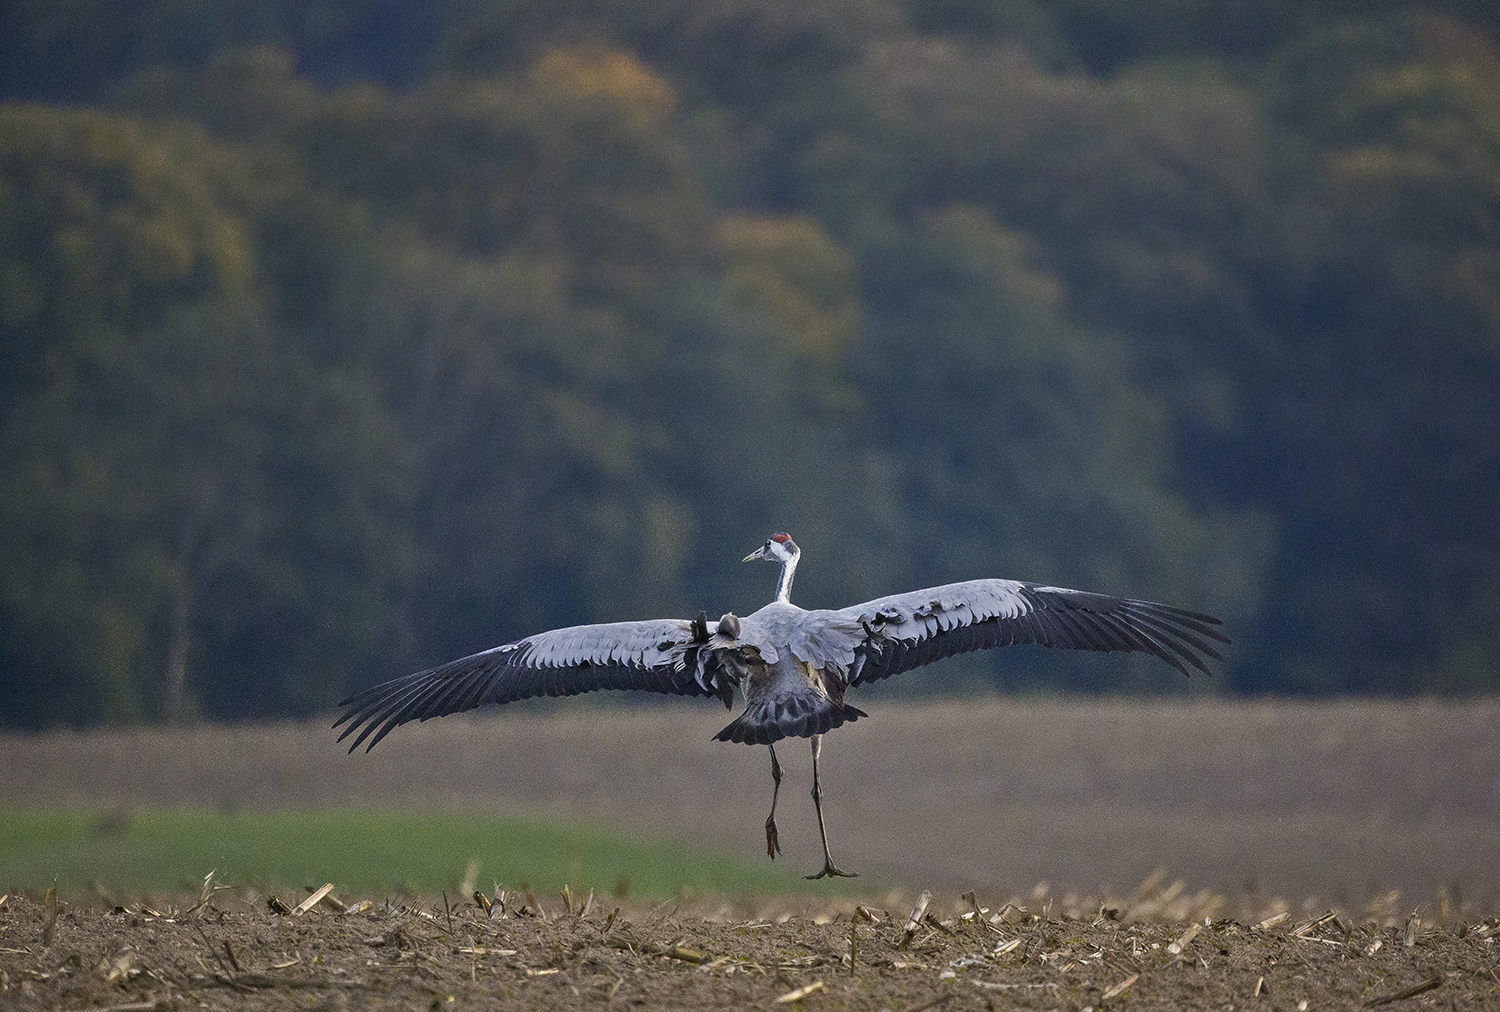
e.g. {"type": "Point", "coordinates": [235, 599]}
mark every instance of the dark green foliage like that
{"type": "Point", "coordinates": [339, 339]}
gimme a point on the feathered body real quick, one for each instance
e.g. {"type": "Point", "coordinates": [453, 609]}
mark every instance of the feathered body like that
{"type": "Point", "coordinates": [792, 665]}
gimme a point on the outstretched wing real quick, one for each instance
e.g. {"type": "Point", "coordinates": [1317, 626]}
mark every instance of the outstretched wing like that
{"type": "Point", "coordinates": [656, 656]}
{"type": "Point", "coordinates": [904, 631]}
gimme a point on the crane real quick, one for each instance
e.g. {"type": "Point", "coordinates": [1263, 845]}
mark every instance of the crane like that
{"type": "Point", "coordinates": [792, 665]}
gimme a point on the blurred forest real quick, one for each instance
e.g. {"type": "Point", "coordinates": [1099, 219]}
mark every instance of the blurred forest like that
{"type": "Point", "coordinates": [342, 337]}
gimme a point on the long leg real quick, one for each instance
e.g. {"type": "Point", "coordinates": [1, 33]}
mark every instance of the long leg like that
{"type": "Point", "coordinates": [773, 845]}
{"type": "Point", "coordinates": [828, 866]}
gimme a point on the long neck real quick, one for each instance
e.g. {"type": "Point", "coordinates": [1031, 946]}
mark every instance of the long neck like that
{"type": "Point", "coordinates": [784, 584]}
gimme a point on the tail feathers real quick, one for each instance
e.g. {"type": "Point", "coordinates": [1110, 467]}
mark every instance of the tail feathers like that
{"type": "Point", "coordinates": [791, 717]}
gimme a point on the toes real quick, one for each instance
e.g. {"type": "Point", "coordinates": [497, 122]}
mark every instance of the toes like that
{"type": "Point", "coordinates": [830, 871]}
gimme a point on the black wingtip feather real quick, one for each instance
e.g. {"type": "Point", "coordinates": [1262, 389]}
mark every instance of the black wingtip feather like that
{"type": "Point", "coordinates": [1051, 617]}
{"type": "Point", "coordinates": [537, 666]}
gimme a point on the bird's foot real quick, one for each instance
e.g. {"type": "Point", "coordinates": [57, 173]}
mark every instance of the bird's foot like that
{"type": "Point", "coordinates": [831, 872]}
{"type": "Point", "coordinates": [773, 845]}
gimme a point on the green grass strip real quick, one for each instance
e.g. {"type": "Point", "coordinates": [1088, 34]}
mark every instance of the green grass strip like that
{"type": "Point", "coordinates": [362, 850]}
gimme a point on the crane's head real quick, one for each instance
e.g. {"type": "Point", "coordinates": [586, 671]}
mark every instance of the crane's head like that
{"type": "Point", "coordinates": [778, 548]}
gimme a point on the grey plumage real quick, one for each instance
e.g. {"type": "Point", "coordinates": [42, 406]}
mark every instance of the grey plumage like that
{"type": "Point", "coordinates": [792, 665]}
{"type": "Point", "coordinates": [851, 646]}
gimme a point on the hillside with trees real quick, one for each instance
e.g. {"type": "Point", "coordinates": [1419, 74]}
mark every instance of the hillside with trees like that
{"type": "Point", "coordinates": [344, 338]}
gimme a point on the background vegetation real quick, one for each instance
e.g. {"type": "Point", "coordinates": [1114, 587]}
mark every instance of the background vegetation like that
{"type": "Point", "coordinates": [344, 337]}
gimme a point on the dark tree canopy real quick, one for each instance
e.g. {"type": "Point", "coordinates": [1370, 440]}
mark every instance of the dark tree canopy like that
{"type": "Point", "coordinates": [342, 339]}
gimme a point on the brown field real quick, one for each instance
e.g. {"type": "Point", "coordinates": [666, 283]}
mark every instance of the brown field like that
{"type": "Point", "coordinates": [1056, 813]}
{"type": "Point", "coordinates": [1338, 802]}
{"type": "Point", "coordinates": [230, 952]}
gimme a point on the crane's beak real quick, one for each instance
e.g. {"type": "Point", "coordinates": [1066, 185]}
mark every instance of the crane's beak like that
{"type": "Point", "coordinates": [759, 553]}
